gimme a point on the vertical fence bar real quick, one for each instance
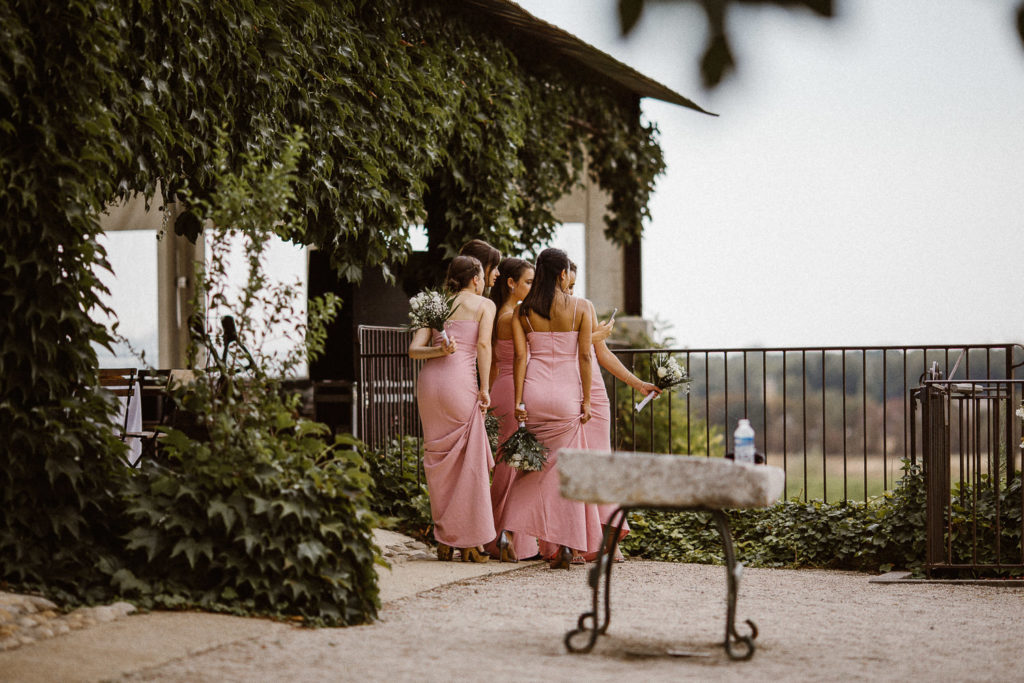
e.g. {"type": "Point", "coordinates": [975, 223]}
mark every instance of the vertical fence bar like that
{"type": "Point", "coordinates": [864, 414]}
{"type": "Point", "coordinates": [846, 495]}
{"type": "Point", "coordinates": [764, 404]}
{"type": "Point", "coordinates": [785, 427]}
{"type": "Point", "coordinates": [824, 435]}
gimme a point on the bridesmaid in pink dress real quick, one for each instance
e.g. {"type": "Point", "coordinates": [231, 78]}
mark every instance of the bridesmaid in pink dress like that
{"type": "Point", "coordinates": [598, 429]}
{"type": "Point", "coordinates": [515, 276]}
{"type": "Point", "coordinates": [456, 453]}
{"type": "Point", "coordinates": [553, 398]}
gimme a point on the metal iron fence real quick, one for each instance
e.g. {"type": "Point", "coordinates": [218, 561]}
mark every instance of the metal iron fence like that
{"type": "Point", "coordinates": [838, 420]}
{"type": "Point", "coordinates": [970, 435]}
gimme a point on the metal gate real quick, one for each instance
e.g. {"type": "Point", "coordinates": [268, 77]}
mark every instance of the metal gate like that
{"type": "Point", "coordinates": [387, 405]}
{"type": "Point", "coordinates": [971, 446]}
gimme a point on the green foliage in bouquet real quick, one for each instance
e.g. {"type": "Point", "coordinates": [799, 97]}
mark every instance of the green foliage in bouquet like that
{"type": "Point", "coordinates": [493, 426]}
{"type": "Point", "coordinates": [523, 451]}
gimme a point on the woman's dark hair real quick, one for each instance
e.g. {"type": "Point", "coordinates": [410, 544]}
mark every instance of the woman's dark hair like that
{"type": "Point", "coordinates": [550, 265]}
{"type": "Point", "coordinates": [511, 267]}
{"type": "Point", "coordinates": [487, 255]}
{"type": "Point", "coordinates": [572, 267]}
{"type": "Point", "coordinates": [461, 272]}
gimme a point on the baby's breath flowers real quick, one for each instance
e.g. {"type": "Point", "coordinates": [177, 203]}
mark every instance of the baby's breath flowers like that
{"type": "Point", "coordinates": [431, 308]}
{"type": "Point", "coordinates": [668, 373]}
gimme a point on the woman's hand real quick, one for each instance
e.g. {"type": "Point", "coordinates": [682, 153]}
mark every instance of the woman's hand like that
{"type": "Point", "coordinates": [646, 388]}
{"type": "Point", "coordinates": [603, 330]}
{"type": "Point", "coordinates": [485, 400]}
{"type": "Point", "coordinates": [585, 412]}
{"type": "Point", "coordinates": [449, 348]}
{"type": "Point", "coordinates": [521, 414]}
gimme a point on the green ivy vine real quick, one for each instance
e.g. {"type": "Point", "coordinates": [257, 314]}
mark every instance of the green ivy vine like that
{"type": "Point", "coordinates": [406, 105]}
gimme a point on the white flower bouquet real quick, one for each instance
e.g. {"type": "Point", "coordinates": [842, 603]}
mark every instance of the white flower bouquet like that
{"type": "Point", "coordinates": [668, 373]}
{"type": "Point", "coordinates": [431, 308]}
{"type": "Point", "coordinates": [522, 451]}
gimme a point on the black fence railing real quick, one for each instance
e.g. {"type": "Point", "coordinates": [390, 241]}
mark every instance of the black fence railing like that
{"type": "Point", "coordinates": [838, 420]}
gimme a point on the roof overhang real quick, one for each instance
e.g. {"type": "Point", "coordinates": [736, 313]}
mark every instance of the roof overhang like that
{"type": "Point", "coordinates": [603, 64]}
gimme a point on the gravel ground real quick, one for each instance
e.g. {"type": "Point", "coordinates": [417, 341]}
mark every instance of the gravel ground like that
{"type": "Point", "coordinates": [814, 625]}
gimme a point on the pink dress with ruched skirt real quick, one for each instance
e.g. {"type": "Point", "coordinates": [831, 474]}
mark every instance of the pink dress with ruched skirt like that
{"type": "Point", "coordinates": [456, 453]}
{"type": "Point", "coordinates": [503, 397]}
{"type": "Point", "coordinates": [599, 429]}
{"type": "Point", "coordinates": [552, 393]}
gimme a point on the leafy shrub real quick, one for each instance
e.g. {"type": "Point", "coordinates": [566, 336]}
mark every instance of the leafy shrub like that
{"type": "Point", "coordinates": [878, 535]}
{"type": "Point", "coordinates": [250, 508]}
{"type": "Point", "coordinates": [260, 516]}
{"type": "Point", "coordinates": [973, 518]}
{"type": "Point", "coordinates": [400, 497]}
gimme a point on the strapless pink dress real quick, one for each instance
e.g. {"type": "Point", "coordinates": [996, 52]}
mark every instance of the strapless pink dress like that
{"type": "Point", "coordinates": [552, 393]}
{"type": "Point", "coordinates": [503, 396]}
{"type": "Point", "coordinates": [599, 429]}
{"type": "Point", "coordinates": [456, 454]}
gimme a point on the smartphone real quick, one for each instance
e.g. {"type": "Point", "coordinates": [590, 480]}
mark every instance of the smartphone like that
{"type": "Point", "coordinates": [611, 318]}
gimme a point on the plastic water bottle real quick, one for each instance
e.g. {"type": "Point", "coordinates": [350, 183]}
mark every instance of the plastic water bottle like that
{"type": "Point", "coordinates": [743, 442]}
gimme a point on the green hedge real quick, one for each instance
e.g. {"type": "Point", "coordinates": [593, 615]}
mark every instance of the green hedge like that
{"type": "Point", "coordinates": [885, 533]}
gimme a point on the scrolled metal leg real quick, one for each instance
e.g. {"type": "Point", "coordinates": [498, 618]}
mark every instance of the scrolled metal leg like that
{"type": "Point", "coordinates": [603, 566]}
{"type": "Point", "coordinates": [733, 573]}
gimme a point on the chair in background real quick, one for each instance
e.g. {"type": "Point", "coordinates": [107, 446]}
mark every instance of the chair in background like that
{"type": "Point", "coordinates": [121, 383]}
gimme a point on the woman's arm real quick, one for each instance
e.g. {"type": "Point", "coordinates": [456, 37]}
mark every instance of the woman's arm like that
{"type": "Point", "coordinates": [483, 351]}
{"type": "Point", "coordinates": [584, 346]}
{"type": "Point", "coordinates": [610, 362]}
{"type": "Point", "coordinates": [519, 368]}
{"type": "Point", "coordinates": [602, 330]}
{"type": "Point", "coordinates": [421, 349]}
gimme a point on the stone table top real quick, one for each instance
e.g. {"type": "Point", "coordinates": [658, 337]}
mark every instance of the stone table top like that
{"type": "Point", "coordinates": [653, 480]}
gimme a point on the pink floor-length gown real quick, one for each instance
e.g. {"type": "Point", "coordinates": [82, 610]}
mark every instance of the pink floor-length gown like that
{"type": "Point", "coordinates": [456, 453]}
{"type": "Point", "coordinates": [552, 393]}
{"type": "Point", "coordinates": [599, 430]}
{"type": "Point", "coordinates": [503, 397]}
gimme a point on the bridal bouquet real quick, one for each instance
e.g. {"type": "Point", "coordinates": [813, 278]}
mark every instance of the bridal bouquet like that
{"type": "Point", "coordinates": [431, 308]}
{"type": "Point", "coordinates": [522, 451]}
{"type": "Point", "coordinates": [668, 373]}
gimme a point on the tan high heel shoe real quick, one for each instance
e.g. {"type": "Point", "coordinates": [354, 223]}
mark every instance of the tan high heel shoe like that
{"type": "Point", "coordinates": [505, 550]}
{"type": "Point", "coordinates": [445, 553]}
{"type": "Point", "coordinates": [474, 555]}
{"type": "Point", "coordinates": [562, 559]}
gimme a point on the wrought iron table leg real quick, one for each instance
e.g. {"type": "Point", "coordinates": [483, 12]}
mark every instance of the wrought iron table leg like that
{"type": "Point", "coordinates": [601, 568]}
{"type": "Point", "coordinates": [733, 572]}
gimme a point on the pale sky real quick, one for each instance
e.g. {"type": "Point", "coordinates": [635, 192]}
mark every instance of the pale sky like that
{"type": "Point", "coordinates": [863, 184]}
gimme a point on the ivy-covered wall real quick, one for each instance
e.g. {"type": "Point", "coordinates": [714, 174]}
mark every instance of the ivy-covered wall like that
{"type": "Point", "coordinates": [402, 102]}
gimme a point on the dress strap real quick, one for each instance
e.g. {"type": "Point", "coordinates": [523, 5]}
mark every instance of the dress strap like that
{"type": "Point", "coordinates": [528, 323]}
{"type": "Point", "coordinates": [574, 305]}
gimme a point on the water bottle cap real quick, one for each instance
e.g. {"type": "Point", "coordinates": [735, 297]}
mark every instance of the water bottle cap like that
{"type": "Point", "coordinates": [744, 421]}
